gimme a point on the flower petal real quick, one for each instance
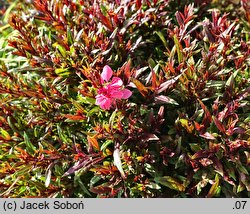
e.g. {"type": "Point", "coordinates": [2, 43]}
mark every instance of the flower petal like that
{"type": "Point", "coordinates": [106, 73]}
{"type": "Point", "coordinates": [126, 93]}
{"type": "Point", "coordinates": [100, 99]}
{"type": "Point", "coordinates": [107, 104]}
{"type": "Point", "coordinates": [116, 94]}
{"type": "Point", "coordinates": [103, 101]}
{"type": "Point", "coordinates": [116, 82]}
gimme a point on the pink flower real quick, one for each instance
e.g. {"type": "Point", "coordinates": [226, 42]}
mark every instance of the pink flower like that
{"type": "Point", "coordinates": [111, 90]}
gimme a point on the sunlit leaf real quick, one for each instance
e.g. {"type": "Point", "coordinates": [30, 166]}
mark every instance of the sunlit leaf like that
{"type": "Point", "coordinates": [93, 141]}
{"type": "Point", "coordinates": [170, 182]}
{"type": "Point", "coordinates": [4, 134]}
{"type": "Point", "coordinates": [188, 125]}
{"type": "Point", "coordinates": [30, 147]}
{"type": "Point", "coordinates": [142, 89]}
{"type": "Point", "coordinates": [117, 162]}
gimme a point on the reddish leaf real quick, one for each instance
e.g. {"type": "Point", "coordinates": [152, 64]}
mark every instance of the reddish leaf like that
{"type": "Point", "coordinates": [214, 147]}
{"type": "Point", "coordinates": [231, 129]}
{"type": "Point", "coordinates": [205, 162]}
{"type": "Point", "coordinates": [197, 126]}
{"type": "Point", "coordinates": [106, 21]}
{"type": "Point", "coordinates": [161, 113]}
{"type": "Point", "coordinates": [104, 170]}
{"type": "Point", "coordinates": [154, 81]}
{"type": "Point", "coordinates": [180, 18]}
{"type": "Point", "coordinates": [74, 117]}
{"type": "Point", "coordinates": [218, 166]}
{"type": "Point", "coordinates": [127, 70]}
{"type": "Point", "coordinates": [207, 119]}
{"type": "Point", "coordinates": [142, 89]}
{"type": "Point", "coordinates": [237, 130]}
{"type": "Point", "coordinates": [216, 107]}
{"type": "Point", "coordinates": [202, 154]}
{"type": "Point", "coordinates": [208, 136]}
{"type": "Point", "coordinates": [165, 99]}
{"type": "Point", "coordinates": [207, 113]}
{"type": "Point", "coordinates": [102, 189]}
{"type": "Point", "coordinates": [138, 4]}
{"type": "Point", "coordinates": [219, 125]}
{"type": "Point", "coordinates": [85, 163]}
{"type": "Point", "coordinates": [149, 137]}
{"type": "Point", "coordinates": [234, 145]}
{"type": "Point", "coordinates": [155, 2]}
{"type": "Point", "coordinates": [93, 141]}
{"type": "Point", "coordinates": [164, 86]}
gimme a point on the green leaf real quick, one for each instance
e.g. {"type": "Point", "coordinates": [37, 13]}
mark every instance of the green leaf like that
{"type": "Point", "coordinates": [87, 100]}
{"type": "Point", "coordinates": [103, 9]}
{"type": "Point", "coordinates": [231, 79]}
{"type": "Point", "coordinates": [112, 119]}
{"type": "Point", "coordinates": [69, 36]}
{"type": "Point", "coordinates": [8, 11]}
{"type": "Point", "coordinates": [78, 182]}
{"type": "Point", "coordinates": [150, 170]}
{"type": "Point", "coordinates": [12, 125]}
{"type": "Point", "coordinates": [94, 110]}
{"type": "Point", "coordinates": [203, 183]}
{"type": "Point", "coordinates": [58, 170]}
{"type": "Point", "coordinates": [152, 185]}
{"type": "Point", "coordinates": [40, 186]}
{"type": "Point", "coordinates": [78, 106]}
{"type": "Point", "coordinates": [170, 182]}
{"type": "Point", "coordinates": [60, 48]}
{"type": "Point", "coordinates": [94, 180]}
{"type": "Point", "coordinates": [188, 125]}
{"type": "Point", "coordinates": [151, 62]}
{"type": "Point", "coordinates": [180, 162]}
{"type": "Point", "coordinates": [30, 147]}
{"type": "Point", "coordinates": [61, 134]}
{"type": "Point", "coordinates": [241, 168]}
{"type": "Point", "coordinates": [63, 72]}
{"type": "Point", "coordinates": [195, 147]}
{"type": "Point", "coordinates": [106, 144]}
{"type": "Point", "coordinates": [241, 187]}
{"type": "Point", "coordinates": [215, 187]}
{"type": "Point", "coordinates": [178, 48]}
{"type": "Point", "coordinates": [23, 171]}
{"type": "Point", "coordinates": [4, 134]}
{"type": "Point", "coordinates": [161, 36]}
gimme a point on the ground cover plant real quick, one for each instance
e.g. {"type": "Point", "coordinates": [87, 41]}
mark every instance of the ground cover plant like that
{"type": "Point", "coordinates": [124, 98]}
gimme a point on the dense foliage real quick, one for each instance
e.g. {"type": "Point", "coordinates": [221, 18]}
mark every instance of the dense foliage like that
{"type": "Point", "coordinates": [184, 131]}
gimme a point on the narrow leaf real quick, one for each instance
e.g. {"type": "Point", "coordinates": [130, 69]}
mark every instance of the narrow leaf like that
{"type": "Point", "coordinates": [30, 147]}
{"type": "Point", "coordinates": [213, 190]}
{"type": "Point", "coordinates": [142, 89]}
{"type": "Point", "coordinates": [48, 174]}
{"type": "Point", "coordinates": [4, 134]}
{"type": "Point", "coordinates": [118, 163]}
{"type": "Point", "coordinates": [178, 48]}
{"type": "Point", "coordinates": [164, 86]}
{"type": "Point", "coordinates": [170, 182]}
{"type": "Point", "coordinates": [93, 141]}
{"type": "Point", "coordinates": [165, 99]}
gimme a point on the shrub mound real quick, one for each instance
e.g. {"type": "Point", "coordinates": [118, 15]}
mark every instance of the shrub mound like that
{"type": "Point", "coordinates": [125, 99]}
